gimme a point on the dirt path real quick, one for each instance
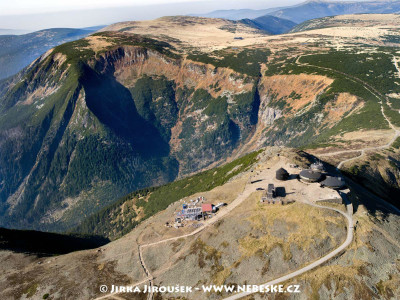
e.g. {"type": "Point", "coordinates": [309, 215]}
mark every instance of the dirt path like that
{"type": "Point", "coordinates": [250, 189]}
{"type": "Point", "coordinates": [364, 150]}
{"type": "Point", "coordinates": [347, 242]}
{"type": "Point", "coordinates": [396, 65]}
{"type": "Point", "coordinates": [379, 96]}
{"type": "Point", "coordinates": [239, 199]}
{"type": "Point", "coordinates": [247, 191]}
{"type": "Point", "coordinates": [243, 196]}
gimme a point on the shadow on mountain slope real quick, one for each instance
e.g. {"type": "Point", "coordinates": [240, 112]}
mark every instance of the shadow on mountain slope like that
{"type": "Point", "coordinates": [113, 105]}
{"type": "Point", "coordinates": [45, 243]}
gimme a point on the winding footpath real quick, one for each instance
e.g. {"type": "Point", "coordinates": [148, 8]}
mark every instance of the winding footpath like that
{"type": "Point", "coordinates": [235, 203]}
{"type": "Point", "coordinates": [364, 150]}
{"type": "Point", "coordinates": [313, 265]}
{"type": "Point", "coordinates": [376, 94]}
{"type": "Point", "coordinates": [249, 189]}
{"type": "Point", "coordinates": [243, 196]}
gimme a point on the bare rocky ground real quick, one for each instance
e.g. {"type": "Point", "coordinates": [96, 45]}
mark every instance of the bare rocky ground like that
{"type": "Point", "coordinates": [369, 269]}
{"type": "Point", "coordinates": [79, 275]}
{"type": "Point", "coordinates": [252, 244]}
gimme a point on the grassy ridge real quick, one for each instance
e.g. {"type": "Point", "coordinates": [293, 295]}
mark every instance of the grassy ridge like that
{"type": "Point", "coordinates": [376, 69]}
{"type": "Point", "coordinates": [80, 50]}
{"type": "Point", "coordinates": [246, 61]}
{"type": "Point", "coordinates": [123, 144]}
{"type": "Point", "coordinates": [369, 117]}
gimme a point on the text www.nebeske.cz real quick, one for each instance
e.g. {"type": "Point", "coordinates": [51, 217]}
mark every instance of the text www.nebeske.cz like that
{"type": "Point", "coordinates": [205, 288]}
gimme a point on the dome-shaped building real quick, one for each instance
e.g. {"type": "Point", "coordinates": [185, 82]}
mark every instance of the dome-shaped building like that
{"type": "Point", "coordinates": [310, 175]}
{"type": "Point", "coordinates": [335, 183]}
{"type": "Point", "coordinates": [282, 174]}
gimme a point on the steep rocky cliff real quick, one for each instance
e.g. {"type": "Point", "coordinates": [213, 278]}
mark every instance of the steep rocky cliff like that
{"type": "Point", "coordinates": [81, 127]}
{"type": "Point", "coordinates": [94, 119]}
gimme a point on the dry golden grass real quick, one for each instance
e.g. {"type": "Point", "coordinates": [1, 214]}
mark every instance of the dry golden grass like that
{"type": "Point", "coordinates": [305, 86]}
{"type": "Point", "coordinates": [389, 288]}
{"type": "Point", "coordinates": [304, 224]}
{"type": "Point", "coordinates": [344, 103]}
{"type": "Point", "coordinates": [338, 277]}
{"type": "Point", "coordinates": [204, 33]}
{"type": "Point", "coordinates": [333, 205]}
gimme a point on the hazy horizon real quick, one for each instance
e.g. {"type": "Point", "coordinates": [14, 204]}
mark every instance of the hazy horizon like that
{"type": "Point", "coordinates": [47, 14]}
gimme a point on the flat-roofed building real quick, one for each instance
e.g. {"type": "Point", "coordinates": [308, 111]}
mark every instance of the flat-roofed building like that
{"type": "Point", "coordinates": [335, 183]}
{"type": "Point", "coordinates": [310, 175]}
{"type": "Point", "coordinates": [271, 191]}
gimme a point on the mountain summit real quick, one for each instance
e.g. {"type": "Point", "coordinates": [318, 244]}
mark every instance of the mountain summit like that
{"type": "Point", "coordinates": [312, 9]}
{"type": "Point", "coordinates": [93, 119]}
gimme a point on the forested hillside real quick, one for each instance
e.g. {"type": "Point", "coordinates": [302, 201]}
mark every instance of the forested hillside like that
{"type": "Point", "coordinates": [97, 118]}
{"type": "Point", "coordinates": [126, 213]}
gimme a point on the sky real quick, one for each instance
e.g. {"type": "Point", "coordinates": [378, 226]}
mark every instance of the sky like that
{"type": "Point", "coordinates": [40, 14]}
{"type": "Point", "coordinates": [17, 7]}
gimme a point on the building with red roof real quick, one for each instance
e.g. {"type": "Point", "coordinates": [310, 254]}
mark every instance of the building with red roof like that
{"type": "Point", "coordinates": [207, 208]}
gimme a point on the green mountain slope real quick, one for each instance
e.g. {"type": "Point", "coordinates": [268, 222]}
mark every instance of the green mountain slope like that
{"type": "Point", "coordinates": [95, 119]}
{"type": "Point", "coordinates": [122, 216]}
{"type": "Point", "coordinates": [245, 242]}
{"type": "Point", "coordinates": [75, 138]}
{"type": "Point", "coordinates": [111, 134]}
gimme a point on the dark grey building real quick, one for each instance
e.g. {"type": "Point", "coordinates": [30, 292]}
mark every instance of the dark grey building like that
{"type": "Point", "coordinates": [335, 183]}
{"type": "Point", "coordinates": [310, 175]}
{"type": "Point", "coordinates": [282, 174]}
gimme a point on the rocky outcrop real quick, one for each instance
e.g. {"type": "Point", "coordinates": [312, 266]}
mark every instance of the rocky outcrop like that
{"type": "Point", "coordinates": [269, 115]}
{"type": "Point", "coordinates": [105, 123]}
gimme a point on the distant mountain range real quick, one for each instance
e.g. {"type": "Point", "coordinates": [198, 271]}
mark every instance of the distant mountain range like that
{"type": "Point", "coordinates": [237, 14]}
{"type": "Point", "coordinates": [107, 137]}
{"type": "Point", "coordinates": [17, 51]}
{"type": "Point", "coordinates": [21, 48]}
{"type": "Point", "coordinates": [310, 10]}
{"type": "Point", "coordinates": [318, 9]}
{"type": "Point", "coordinates": [270, 24]}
